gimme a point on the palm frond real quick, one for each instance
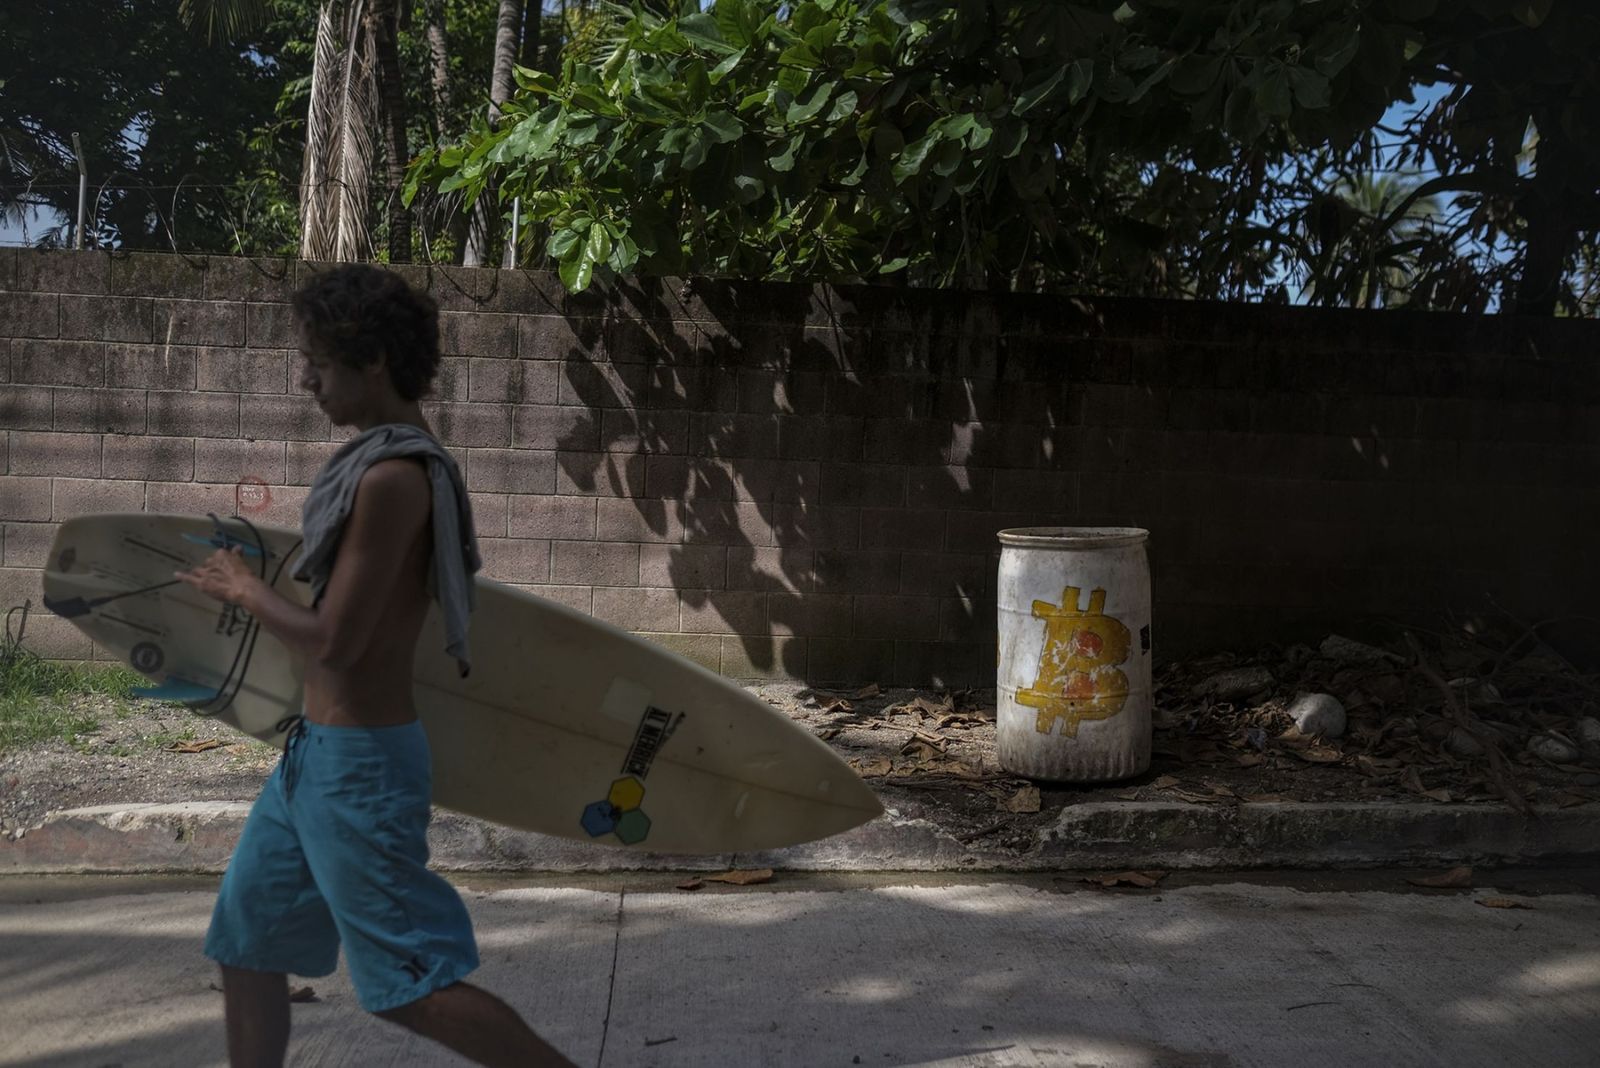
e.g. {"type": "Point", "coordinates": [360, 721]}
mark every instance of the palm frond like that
{"type": "Point", "coordinates": [235, 18]}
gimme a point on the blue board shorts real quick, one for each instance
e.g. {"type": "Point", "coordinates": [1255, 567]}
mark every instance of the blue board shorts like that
{"type": "Point", "coordinates": [335, 852]}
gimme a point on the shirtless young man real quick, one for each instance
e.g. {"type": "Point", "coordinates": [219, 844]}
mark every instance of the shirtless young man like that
{"type": "Point", "coordinates": [335, 850]}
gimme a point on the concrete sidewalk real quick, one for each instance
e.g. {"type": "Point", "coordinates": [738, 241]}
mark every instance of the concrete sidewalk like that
{"type": "Point", "coordinates": [971, 973]}
{"type": "Point", "coordinates": [915, 834]}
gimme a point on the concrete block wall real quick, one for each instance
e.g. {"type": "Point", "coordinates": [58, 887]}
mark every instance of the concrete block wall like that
{"type": "Point", "coordinates": [796, 481]}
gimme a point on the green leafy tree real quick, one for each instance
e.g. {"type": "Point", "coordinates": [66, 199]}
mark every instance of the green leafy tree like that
{"type": "Point", "coordinates": [1153, 146]}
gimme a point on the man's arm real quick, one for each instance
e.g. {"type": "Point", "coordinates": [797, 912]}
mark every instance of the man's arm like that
{"type": "Point", "coordinates": [392, 506]}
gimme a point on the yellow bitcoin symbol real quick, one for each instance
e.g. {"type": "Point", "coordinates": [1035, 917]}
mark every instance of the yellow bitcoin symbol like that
{"type": "Point", "coordinates": [1078, 678]}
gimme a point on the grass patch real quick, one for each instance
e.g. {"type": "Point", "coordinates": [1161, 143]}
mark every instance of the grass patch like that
{"type": "Point", "coordinates": [37, 699]}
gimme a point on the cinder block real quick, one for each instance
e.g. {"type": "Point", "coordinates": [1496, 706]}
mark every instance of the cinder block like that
{"type": "Point", "coordinates": [58, 363]}
{"type": "Point", "coordinates": [27, 545]}
{"type": "Point", "coordinates": [147, 459]}
{"type": "Point", "coordinates": [150, 274]}
{"type": "Point", "coordinates": [269, 326]}
{"type": "Point", "coordinates": [508, 381]}
{"type": "Point", "coordinates": [194, 498]}
{"type": "Point", "coordinates": [552, 427]}
{"type": "Point", "coordinates": [817, 527]}
{"type": "Point", "coordinates": [24, 500]}
{"type": "Point", "coordinates": [894, 616]}
{"type": "Point", "coordinates": [733, 436]}
{"type": "Point", "coordinates": [130, 366]}
{"type": "Point", "coordinates": [303, 459]}
{"type": "Point", "coordinates": [8, 269]}
{"type": "Point", "coordinates": [108, 318]}
{"type": "Point", "coordinates": [950, 486]}
{"type": "Point", "coordinates": [968, 619]}
{"type": "Point", "coordinates": [763, 657]}
{"type": "Point", "coordinates": [592, 563]}
{"type": "Point", "coordinates": [242, 370]}
{"type": "Point", "coordinates": [723, 611]}
{"type": "Point", "coordinates": [726, 523]}
{"type": "Point", "coordinates": [30, 315]}
{"type": "Point", "coordinates": [781, 392]}
{"type": "Point", "coordinates": [248, 279]}
{"type": "Point", "coordinates": [1036, 491]}
{"type": "Point", "coordinates": [286, 418]}
{"type": "Point", "coordinates": [858, 571]}
{"type": "Point", "coordinates": [768, 567]}
{"type": "Point", "coordinates": [811, 615]}
{"type": "Point", "coordinates": [471, 425]}
{"type": "Point", "coordinates": [976, 532]}
{"type": "Point", "coordinates": [822, 437]}
{"type": "Point", "coordinates": [515, 559]}
{"type": "Point", "coordinates": [875, 397]}
{"type": "Point", "coordinates": [206, 415]}
{"type": "Point", "coordinates": [451, 381]}
{"type": "Point", "coordinates": [58, 271]}
{"type": "Point", "coordinates": [451, 288]}
{"type": "Point", "coordinates": [943, 664]}
{"type": "Point", "coordinates": [849, 660]}
{"type": "Point", "coordinates": [866, 485]}
{"type": "Point", "coordinates": [558, 518]}
{"type": "Point", "coordinates": [638, 519]}
{"type": "Point", "coordinates": [586, 383]}
{"type": "Point", "coordinates": [907, 441]}
{"type": "Point", "coordinates": [71, 497]}
{"type": "Point", "coordinates": [50, 638]}
{"type": "Point", "coordinates": [1147, 406]}
{"type": "Point", "coordinates": [557, 338]}
{"type": "Point", "coordinates": [636, 609]}
{"type": "Point", "coordinates": [233, 460]}
{"type": "Point", "coordinates": [778, 481]}
{"type": "Point", "coordinates": [27, 407]}
{"type": "Point", "coordinates": [682, 567]}
{"type": "Point", "coordinates": [943, 574]}
{"type": "Point", "coordinates": [477, 334]}
{"type": "Point", "coordinates": [490, 513]}
{"type": "Point", "coordinates": [113, 411]}
{"type": "Point", "coordinates": [702, 649]}
{"type": "Point", "coordinates": [916, 529]}
{"type": "Point", "coordinates": [599, 474]}
{"type": "Point", "coordinates": [626, 430]}
{"type": "Point", "coordinates": [69, 454]}
{"type": "Point", "coordinates": [512, 471]}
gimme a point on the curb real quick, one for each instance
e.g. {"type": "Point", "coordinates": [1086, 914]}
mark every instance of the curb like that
{"type": "Point", "coordinates": [198, 837]}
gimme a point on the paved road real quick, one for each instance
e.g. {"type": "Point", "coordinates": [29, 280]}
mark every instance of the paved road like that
{"type": "Point", "coordinates": [843, 971]}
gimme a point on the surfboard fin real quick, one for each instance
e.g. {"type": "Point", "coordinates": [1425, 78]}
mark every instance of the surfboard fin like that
{"type": "Point", "coordinates": [181, 691]}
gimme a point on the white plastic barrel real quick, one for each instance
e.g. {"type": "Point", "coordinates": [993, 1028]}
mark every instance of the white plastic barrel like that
{"type": "Point", "coordinates": [1073, 674]}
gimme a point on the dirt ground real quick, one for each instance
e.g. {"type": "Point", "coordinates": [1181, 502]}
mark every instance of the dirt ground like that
{"type": "Point", "coordinates": [1442, 725]}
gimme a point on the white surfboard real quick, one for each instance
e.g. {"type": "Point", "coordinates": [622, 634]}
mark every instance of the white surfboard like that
{"type": "Point", "coordinates": [566, 726]}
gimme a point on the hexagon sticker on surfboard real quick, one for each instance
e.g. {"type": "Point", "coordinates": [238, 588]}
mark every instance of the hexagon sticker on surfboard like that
{"type": "Point", "coordinates": [621, 811]}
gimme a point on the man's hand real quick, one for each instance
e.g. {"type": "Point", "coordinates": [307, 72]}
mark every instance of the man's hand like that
{"type": "Point", "coordinates": [223, 576]}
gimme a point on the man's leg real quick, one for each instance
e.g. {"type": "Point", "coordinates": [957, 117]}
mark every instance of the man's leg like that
{"type": "Point", "coordinates": [257, 1007]}
{"type": "Point", "coordinates": [479, 1026]}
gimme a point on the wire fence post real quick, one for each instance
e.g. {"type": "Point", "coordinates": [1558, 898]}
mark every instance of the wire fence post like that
{"type": "Point", "coordinates": [83, 189]}
{"type": "Point", "coordinates": [516, 218]}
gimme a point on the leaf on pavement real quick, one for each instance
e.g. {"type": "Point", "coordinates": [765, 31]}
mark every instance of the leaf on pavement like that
{"type": "Point", "coordinates": [1441, 794]}
{"type": "Point", "coordinates": [1502, 903]}
{"type": "Point", "coordinates": [873, 768]}
{"type": "Point", "coordinates": [838, 708]}
{"type": "Point", "coordinates": [1454, 879]}
{"type": "Point", "coordinates": [199, 745]}
{"type": "Point", "coordinates": [742, 877]}
{"type": "Point", "coordinates": [1144, 880]}
{"type": "Point", "coordinates": [304, 994]}
{"type": "Point", "coordinates": [872, 689]}
{"type": "Point", "coordinates": [1167, 782]}
{"type": "Point", "coordinates": [1024, 800]}
{"type": "Point", "coordinates": [692, 884]}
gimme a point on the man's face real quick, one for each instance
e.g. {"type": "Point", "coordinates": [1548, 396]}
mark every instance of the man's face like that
{"type": "Point", "coordinates": [343, 393]}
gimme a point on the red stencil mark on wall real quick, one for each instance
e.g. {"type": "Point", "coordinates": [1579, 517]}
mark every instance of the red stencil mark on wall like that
{"type": "Point", "coordinates": [252, 495]}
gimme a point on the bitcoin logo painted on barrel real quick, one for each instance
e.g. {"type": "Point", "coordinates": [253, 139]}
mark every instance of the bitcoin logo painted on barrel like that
{"type": "Point", "coordinates": [1078, 677]}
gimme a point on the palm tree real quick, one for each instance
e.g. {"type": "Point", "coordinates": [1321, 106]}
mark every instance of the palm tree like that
{"type": "Point", "coordinates": [355, 68]}
{"type": "Point", "coordinates": [1382, 246]}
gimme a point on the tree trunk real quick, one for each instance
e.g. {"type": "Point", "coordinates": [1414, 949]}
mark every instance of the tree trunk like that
{"type": "Point", "coordinates": [532, 30]}
{"type": "Point", "coordinates": [392, 100]}
{"type": "Point", "coordinates": [480, 235]}
{"type": "Point", "coordinates": [1550, 230]}
{"type": "Point", "coordinates": [339, 121]}
{"type": "Point", "coordinates": [439, 56]}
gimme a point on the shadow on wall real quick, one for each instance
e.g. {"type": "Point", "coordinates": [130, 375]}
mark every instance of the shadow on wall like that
{"type": "Point", "coordinates": [820, 473]}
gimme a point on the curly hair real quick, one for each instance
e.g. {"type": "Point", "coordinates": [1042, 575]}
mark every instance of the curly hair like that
{"type": "Point", "coordinates": [358, 314]}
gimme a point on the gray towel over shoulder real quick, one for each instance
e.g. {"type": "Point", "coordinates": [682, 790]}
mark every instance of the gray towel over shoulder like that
{"type": "Point", "coordinates": [455, 544]}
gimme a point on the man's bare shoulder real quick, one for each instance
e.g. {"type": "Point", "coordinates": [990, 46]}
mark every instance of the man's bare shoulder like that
{"type": "Point", "coordinates": [395, 490]}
